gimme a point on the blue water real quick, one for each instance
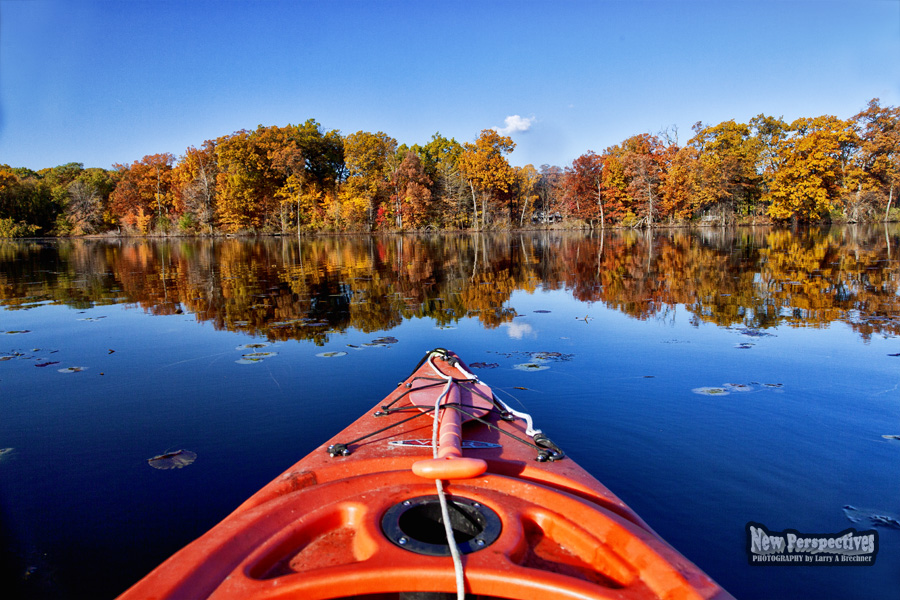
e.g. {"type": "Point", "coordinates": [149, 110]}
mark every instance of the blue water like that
{"type": "Point", "coordinates": [83, 515]}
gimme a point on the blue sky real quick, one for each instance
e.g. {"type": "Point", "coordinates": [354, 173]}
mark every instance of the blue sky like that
{"type": "Point", "coordinates": [109, 82]}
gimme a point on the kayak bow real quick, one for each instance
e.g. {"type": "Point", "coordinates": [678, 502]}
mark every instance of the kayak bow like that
{"type": "Point", "coordinates": [360, 516]}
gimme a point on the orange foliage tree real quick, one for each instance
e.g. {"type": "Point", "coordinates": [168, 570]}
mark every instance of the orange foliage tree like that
{"type": "Point", "coordinates": [144, 191]}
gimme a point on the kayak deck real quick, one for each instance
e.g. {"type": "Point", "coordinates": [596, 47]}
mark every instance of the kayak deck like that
{"type": "Point", "coordinates": [352, 519]}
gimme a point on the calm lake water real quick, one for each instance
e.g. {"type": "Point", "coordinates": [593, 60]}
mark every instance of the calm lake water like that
{"type": "Point", "coordinates": [710, 378]}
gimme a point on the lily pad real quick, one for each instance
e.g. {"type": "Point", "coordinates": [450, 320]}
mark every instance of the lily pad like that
{"type": "Point", "coordinates": [737, 387]}
{"type": "Point", "coordinates": [871, 517]}
{"type": "Point", "coordinates": [483, 365]}
{"type": "Point", "coordinates": [254, 346]}
{"type": "Point", "coordinates": [172, 460]}
{"type": "Point", "coordinates": [891, 436]}
{"type": "Point", "coordinates": [47, 364]}
{"type": "Point", "coordinates": [16, 332]}
{"type": "Point", "coordinates": [254, 357]}
{"type": "Point", "coordinates": [332, 354]}
{"type": "Point", "coordinates": [711, 391]}
{"type": "Point", "coordinates": [388, 339]}
{"type": "Point", "coordinates": [531, 366]}
{"type": "Point", "coordinates": [72, 370]}
{"type": "Point", "coordinates": [541, 311]}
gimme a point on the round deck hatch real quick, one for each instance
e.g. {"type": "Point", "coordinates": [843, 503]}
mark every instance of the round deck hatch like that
{"type": "Point", "coordinates": [416, 525]}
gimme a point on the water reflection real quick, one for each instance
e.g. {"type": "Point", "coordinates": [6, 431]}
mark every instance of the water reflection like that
{"type": "Point", "coordinates": [305, 289]}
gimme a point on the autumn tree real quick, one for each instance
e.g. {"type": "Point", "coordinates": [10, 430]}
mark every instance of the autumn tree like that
{"type": "Point", "coordinates": [808, 182]}
{"type": "Point", "coordinates": [86, 208]}
{"type": "Point", "coordinates": [487, 171]}
{"type": "Point", "coordinates": [449, 188]}
{"type": "Point", "coordinates": [245, 187]}
{"type": "Point", "coordinates": [368, 158]}
{"type": "Point", "coordinates": [194, 181]}
{"type": "Point", "coordinates": [642, 162]}
{"type": "Point", "coordinates": [584, 188]}
{"type": "Point", "coordinates": [411, 197]}
{"type": "Point", "coordinates": [726, 160]}
{"type": "Point", "coordinates": [527, 182]}
{"type": "Point", "coordinates": [144, 191]}
{"type": "Point", "coordinates": [550, 191]}
{"type": "Point", "coordinates": [310, 163]}
{"type": "Point", "coordinates": [678, 199]}
{"type": "Point", "coordinates": [878, 129]}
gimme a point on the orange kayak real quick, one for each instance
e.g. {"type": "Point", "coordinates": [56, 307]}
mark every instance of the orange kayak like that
{"type": "Point", "coordinates": [441, 490]}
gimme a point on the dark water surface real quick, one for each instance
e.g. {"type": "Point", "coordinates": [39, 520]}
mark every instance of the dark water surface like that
{"type": "Point", "coordinates": [709, 378]}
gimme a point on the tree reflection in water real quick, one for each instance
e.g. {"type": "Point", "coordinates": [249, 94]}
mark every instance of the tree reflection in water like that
{"type": "Point", "coordinates": [285, 288]}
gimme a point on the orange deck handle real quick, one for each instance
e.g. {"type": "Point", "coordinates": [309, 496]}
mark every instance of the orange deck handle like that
{"type": "Point", "coordinates": [450, 463]}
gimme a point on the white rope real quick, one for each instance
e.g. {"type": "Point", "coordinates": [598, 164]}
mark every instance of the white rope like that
{"type": "Point", "coordinates": [445, 511]}
{"type": "Point", "coordinates": [529, 425]}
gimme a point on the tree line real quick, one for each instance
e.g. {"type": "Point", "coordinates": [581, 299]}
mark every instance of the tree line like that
{"type": "Point", "coordinates": [303, 179]}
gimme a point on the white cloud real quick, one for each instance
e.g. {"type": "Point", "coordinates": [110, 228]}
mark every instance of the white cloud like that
{"type": "Point", "coordinates": [517, 331]}
{"type": "Point", "coordinates": [515, 123]}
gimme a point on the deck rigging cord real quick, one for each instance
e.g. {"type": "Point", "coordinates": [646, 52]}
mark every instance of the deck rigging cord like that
{"type": "Point", "coordinates": [445, 511]}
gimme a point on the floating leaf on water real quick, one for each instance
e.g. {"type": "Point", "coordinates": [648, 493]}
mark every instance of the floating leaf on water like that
{"type": "Point", "coordinates": [72, 369]}
{"type": "Point", "coordinates": [254, 346]}
{"type": "Point", "coordinates": [871, 517]}
{"type": "Point", "coordinates": [47, 364]}
{"type": "Point", "coordinates": [332, 354]}
{"type": "Point", "coordinates": [737, 387]}
{"type": "Point", "coordinates": [551, 356]}
{"type": "Point", "coordinates": [4, 452]}
{"type": "Point", "coordinates": [173, 460]}
{"type": "Point", "coordinates": [385, 340]}
{"type": "Point", "coordinates": [773, 385]}
{"type": "Point", "coordinates": [519, 387]}
{"type": "Point", "coordinates": [897, 354]}
{"type": "Point", "coordinates": [16, 332]}
{"type": "Point", "coordinates": [744, 345]}
{"type": "Point", "coordinates": [483, 365]}
{"type": "Point", "coordinates": [541, 311]}
{"type": "Point", "coordinates": [891, 436]}
{"type": "Point", "coordinates": [532, 366]}
{"type": "Point", "coordinates": [254, 357]}
{"type": "Point", "coordinates": [711, 391]}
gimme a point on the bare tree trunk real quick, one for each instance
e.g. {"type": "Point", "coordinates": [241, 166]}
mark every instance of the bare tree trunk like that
{"type": "Point", "coordinates": [600, 204]}
{"type": "Point", "coordinates": [887, 211]}
{"type": "Point", "coordinates": [474, 206]}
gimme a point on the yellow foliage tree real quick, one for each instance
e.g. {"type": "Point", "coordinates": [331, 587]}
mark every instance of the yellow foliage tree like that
{"type": "Point", "coordinates": [807, 184]}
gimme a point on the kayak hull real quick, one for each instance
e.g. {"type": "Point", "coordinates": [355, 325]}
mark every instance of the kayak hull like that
{"type": "Point", "coordinates": [365, 525]}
